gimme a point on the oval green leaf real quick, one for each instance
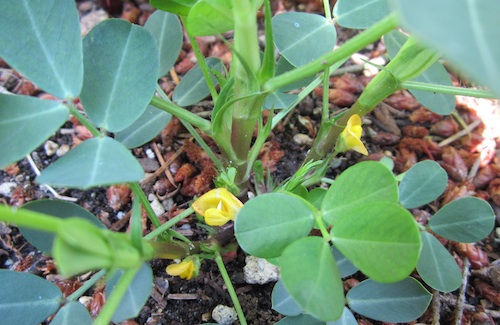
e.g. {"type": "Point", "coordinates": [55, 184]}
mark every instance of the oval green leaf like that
{"type": "Point", "coordinates": [439, 103]}
{"type": "Point", "coordinates": [346, 268]}
{"type": "Point", "coordinates": [282, 302]}
{"type": "Point", "coordinates": [73, 313]}
{"type": "Point", "coordinates": [284, 66]}
{"type": "Point", "coordinates": [310, 275]}
{"type": "Point", "coordinates": [360, 14]}
{"type": "Point", "coordinates": [43, 240]}
{"type": "Point", "coordinates": [466, 220]}
{"type": "Point", "coordinates": [422, 183]}
{"type": "Point", "coordinates": [278, 100]}
{"type": "Point", "coordinates": [363, 183]}
{"type": "Point", "coordinates": [296, 36]}
{"type": "Point", "coordinates": [42, 41]}
{"type": "Point", "coordinates": [95, 162]}
{"type": "Point", "coordinates": [20, 129]}
{"type": "Point", "coordinates": [399, 302]}
{"type": "Point", "coordinates": [147, 126]}
{"type": "Point", "coordinates": [270, 222]}
{"type": "Point", "coordinates": [193, 87]}
{"type": "Point", "coordinates": [464, 31]}
{"type": "Point", "coordinates": [120, 73]}
{"type": "Point", "coordinates": [210, 17]}
{"type": "Point", "coordinates": [26, 298]}
{"type": "Point", "coordinates": [136, 295]}
{"type": "Point", "coordinates": [167, 30]}
{"type": "Point", "coordinates": [381, 239]}
{"type": "Point", "coordinates": [178, 7]}
{"type": "Point", "coordinates": [436, 266]}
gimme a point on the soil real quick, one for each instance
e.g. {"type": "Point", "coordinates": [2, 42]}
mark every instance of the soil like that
{"type": "Point", "coordinates": [399, 129]}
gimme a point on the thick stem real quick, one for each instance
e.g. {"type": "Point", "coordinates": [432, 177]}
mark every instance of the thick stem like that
{"type": "Point", "coordinates": [30, 219]}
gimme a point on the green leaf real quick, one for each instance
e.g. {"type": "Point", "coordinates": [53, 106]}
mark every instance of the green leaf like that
{"type": "Point", "coordinates": [73, 313]}
{"type": "Point", "coordinates": [363, 183]}
{"type": "Point", "coordinates": [300, 320]}
{"type": "Point", "coordinates": [43, 240]}
{"type": "Point", "coordinates": [210, 17]}
{"type": "Point", "coordinates": [436, 266]}
{"type": "Point", "coordinates": [346, 268]}
{"type": "Point", "coordinates": [284, 66]}
{"type": "Point", "coordinates": [464, 31]}
{"type": "Point", "coordinates": [279, 100]}
{"type": "Point", "coordinates": [437, 102]}
{"type": "Point", "coordinates": [178, 7]}
{"type": "Point", "coordinates": [270, 222]}
{"type": "Point", "coordinates": [20, 129]}
{"type": "Point", "coordinates": [296, 36]}
{"type": "Point", "coordinates": [310, 275]}
{"type": "Point", "coordinates": [136, 295]}
{"type": "Point", "coordinates": [41, 40]}
{"type": "Point", "coordinates": [80, 247]}
{"type": "Point", "coordinates": [422, 183]}
{"type": "Point", "coordinates": [26, 298]}
{"type": "Point", "coordinates": [283, 303]}
{"type": "Point", "coordinates": [167, 30]}
{"type": "Point", "coordinates": [396, 302]}
{"type": "Point", "coordinates": [360, 14]}
{"type": "Point", "coordinates": [466, 220]}
{"type": "Point", "coordinates": [381, 239]}
{"type": "Point", "coordinates": [120, 73]}
{"type": "Point", "coordinates": [95, 162]}
{"type": "Point", "coordinates": [193, 87]}
{"type": "Point", "coordinates": [147, 126]}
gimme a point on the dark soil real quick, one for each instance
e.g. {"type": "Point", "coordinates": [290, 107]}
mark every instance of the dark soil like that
{"type": "Point", "coordinates": [176, 301]}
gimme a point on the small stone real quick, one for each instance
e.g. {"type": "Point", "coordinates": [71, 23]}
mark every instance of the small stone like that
{"type": "Point", "coordinates": [7, 188]}
{"type": "Point", "coordinates": [259, 270]}
{"type": "Point", "coordinates": [63, 149]}
{"type": "Point", "coordinates": [156, 205]}
{"type": "Point", "coordinates": [50, 148]}
{"type": "Point", "coordinates": [302, 139]}
{"type": "Point", "coordinates": [224, 315]}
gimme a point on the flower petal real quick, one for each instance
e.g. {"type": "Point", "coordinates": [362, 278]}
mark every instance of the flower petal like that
{"type": "Point", "coordinates": [215, 217]}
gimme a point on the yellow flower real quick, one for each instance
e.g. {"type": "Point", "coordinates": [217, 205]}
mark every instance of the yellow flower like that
{"type": "Point", "coordinates": [185, 269]}
{"type": "Point", "coordinates": [350, 138]}
{"type": "Point", "coordinates": [217, 206]}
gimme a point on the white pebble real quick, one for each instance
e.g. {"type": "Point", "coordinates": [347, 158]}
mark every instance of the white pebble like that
{"type": "Point", "coordinates": [224, 315]}
{"type": "Point", "coordinates": [50, 147]}
{"type": "Point", "coordinates": [302, 139]}
{"type": "Point", "coordinates": [259, 270]}
{"type": "Point", "coordinates": [7, 188]}
{"type": "Point", "coordinates": [62, 150]}
{"type": "Point", "coordinates": [156, 205]}
{"type": "Point", "coordinates": [150, 154]}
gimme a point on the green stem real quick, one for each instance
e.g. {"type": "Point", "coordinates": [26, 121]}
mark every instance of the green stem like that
{"type": "Point", "coordinates": [195, 134]}
{"type": "Point", "coordinates": [83, 120]}
{"type": "Point", "coordinates": [322, 228]}
{"type": "Point", "coordinates": [109, 308]}
{"type": "Point", "coordinates": [139, 194]}
{"type": "Point", "coordinates": [230, 288]}
{"type": "Point", "coordinates": [183, 114]}
{"type": "Point", "coordinates": [30, 219]}
{"type": "Point", "coordinates": [450, 90]}
{"type": "Point", "coordinates": [86, 286]}
{"type": "Point", "coordinates": [325, 112]}
{"type": "Point", "coordinates": [328, 11]}
{"type": "Point", "coordinates": [167, 225]}
{"type": "Point", "coordinates": [205, 70]}
{"type": "Point", "coordinates": [350, 47]}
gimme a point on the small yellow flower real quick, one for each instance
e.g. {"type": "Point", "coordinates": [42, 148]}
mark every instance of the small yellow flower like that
{"type": "Point", "coordinates": [217, 206]}
{"type": "Point", "coordinates": [185, 269]}
{"type": "Point", "coordinates": [350, 138]}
